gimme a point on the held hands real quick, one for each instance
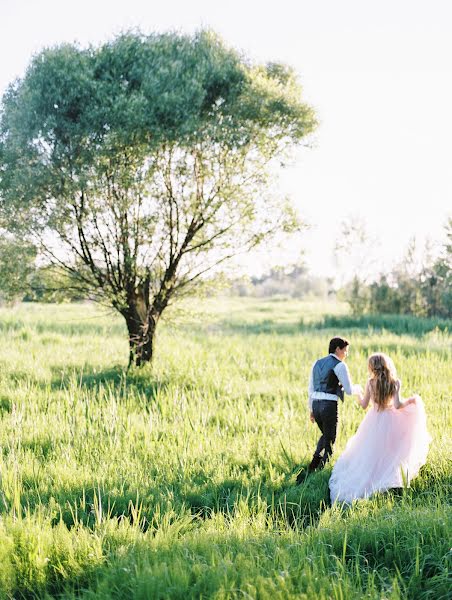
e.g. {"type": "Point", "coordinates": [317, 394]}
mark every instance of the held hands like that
{"type": "Point", "coordinates": [358, 392]}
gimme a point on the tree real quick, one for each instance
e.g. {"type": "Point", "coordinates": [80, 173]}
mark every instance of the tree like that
{"type": "Point", "coordinates": [436, 282]}
{"type": "Point", "coordinates": [354, 254]}
{"type": "Point", "coordinates": [17, 265]}
{"type": "Point", "coordinates": [355, 250]}
{"type": "Point", "coordinates": [51, 284]}
{"type": "Point", "coordinates": [142, 165]}
{"type": "Point", "coordinates": [417, 287]}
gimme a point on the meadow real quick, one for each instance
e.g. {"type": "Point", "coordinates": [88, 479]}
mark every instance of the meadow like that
{"type": "Point", "coordinates": [178, 480]}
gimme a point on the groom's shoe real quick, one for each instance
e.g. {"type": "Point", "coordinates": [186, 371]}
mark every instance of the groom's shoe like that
{"type": "Point", "coordinates": [315, 463]}
{"type": "Point", "coordinates": [302, 476]}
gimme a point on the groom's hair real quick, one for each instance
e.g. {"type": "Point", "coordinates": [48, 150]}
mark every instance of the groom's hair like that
{"type": "Point", "coordinates": [335, 342]}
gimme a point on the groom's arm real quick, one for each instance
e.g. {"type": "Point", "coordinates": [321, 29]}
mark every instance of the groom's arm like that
{"type": "Point", "coordinates": [310, 392]}
{"type": "Point", "coordinates": [343, 375]}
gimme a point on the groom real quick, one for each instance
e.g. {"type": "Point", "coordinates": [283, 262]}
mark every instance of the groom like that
{"type": "Point", "coordinates": [329, 380]}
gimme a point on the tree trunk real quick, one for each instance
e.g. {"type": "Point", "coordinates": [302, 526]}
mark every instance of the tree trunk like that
{"type": "Point", "coordinates": [141, 337]}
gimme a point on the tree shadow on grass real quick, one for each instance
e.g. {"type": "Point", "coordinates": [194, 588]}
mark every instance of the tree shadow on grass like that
{"type": "Point", "coordinates": [116, 378]}
{"type": "Point", "coordinates": [120, 380]}
{"type": "Point", "coordinates": [78, 327]}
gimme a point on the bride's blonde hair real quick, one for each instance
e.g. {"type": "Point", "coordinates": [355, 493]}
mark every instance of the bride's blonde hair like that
{"type": "Point", "coordinates": [383, 378]}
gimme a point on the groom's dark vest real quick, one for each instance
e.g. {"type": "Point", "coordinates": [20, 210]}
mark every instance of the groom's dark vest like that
{"type": "Point", "coordinates": [324, 377]}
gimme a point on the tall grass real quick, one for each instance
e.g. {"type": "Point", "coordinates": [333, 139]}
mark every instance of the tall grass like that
{"type": "Point", "coordinates": [179, 481]}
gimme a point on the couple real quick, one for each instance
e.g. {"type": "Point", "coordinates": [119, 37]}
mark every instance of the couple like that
{"type": "Point", "coordinates": [391, 443]}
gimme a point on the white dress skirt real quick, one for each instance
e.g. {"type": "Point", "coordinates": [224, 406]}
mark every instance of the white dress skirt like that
{"type": "Point", "coordinates": [387, 451]}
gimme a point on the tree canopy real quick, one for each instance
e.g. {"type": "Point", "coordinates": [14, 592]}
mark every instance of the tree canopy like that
{"type": "Point", "coordinates": [140, 165]}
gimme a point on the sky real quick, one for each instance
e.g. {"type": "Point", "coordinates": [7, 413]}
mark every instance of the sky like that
{"type": "Point", "coordinates": [377, 72]}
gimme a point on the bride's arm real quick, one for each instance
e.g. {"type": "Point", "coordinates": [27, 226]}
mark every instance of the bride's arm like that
{"type": "Point", "coordinates": [365, 399]}
{"type": "Point", "coordinates": [398, 403]}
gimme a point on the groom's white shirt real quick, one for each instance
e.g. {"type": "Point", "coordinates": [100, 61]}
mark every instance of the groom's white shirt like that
{"type": "Point", "coordinates": [342, 374]}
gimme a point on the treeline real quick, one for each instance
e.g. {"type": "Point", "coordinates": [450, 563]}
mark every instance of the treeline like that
{"type": "Point", "coordinates": [293, 281]}
{"type": "Point", "coordinates": [23, 280]}
{"type": "Point", "coordinates": [422, 289]}
{"type": "Point", "coordinates": [422, 292]}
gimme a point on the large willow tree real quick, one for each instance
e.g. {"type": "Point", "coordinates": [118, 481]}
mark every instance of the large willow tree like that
{"type": "Point", "coordinates": [141, 165]}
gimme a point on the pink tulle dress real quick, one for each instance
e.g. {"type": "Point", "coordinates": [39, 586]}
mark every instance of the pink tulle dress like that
{"type": "Point", "coordinates": [387, 451]}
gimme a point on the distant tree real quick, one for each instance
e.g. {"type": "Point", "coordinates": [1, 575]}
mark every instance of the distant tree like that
{"type": "Point", "coordinates": [51, 284]}
{"type": "Point", "coordinates": [355, 258]}
{"type": "Point", "coordinates": [436, 283]}
{"type": "Point", "coordinates": [17, 265]}
{"type": "Point", "coordinates": [420, 288]}
{"type": "Point", "coordinates": [357, 295]}
{"type": "Point", "coordinates": [294, 280]}
{"type": "Point", "coordinates": [382, 297]}
{"type": "Point", "coordinates": [142, 165]}
{"type": "Point", "coordinates": [355, 250]}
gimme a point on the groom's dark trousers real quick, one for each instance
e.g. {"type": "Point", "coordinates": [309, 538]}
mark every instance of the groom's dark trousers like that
{"type": "Point", "coordinates": [325, 415]}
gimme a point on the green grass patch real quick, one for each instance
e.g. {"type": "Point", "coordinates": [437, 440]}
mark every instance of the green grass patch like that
{"type": "Point", "coordinates": [178, 481]}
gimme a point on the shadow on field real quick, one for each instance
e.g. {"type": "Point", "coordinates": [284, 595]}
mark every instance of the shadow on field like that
{"type": "Point", "coordinates": [294, 505]}
{"type": "Point", "coordinates": [288, 504]}
{"type": "Point", "coordinates": [398, 324]}
{"type": "Point", "coordinates": [93, 379]}
{"type": "Point", "coordinates": [115, 378]}
{"type": "Point", "coordinates": [69, 327]}
{"type": "Point", "coordinates": [283, 505]}
{"type": "Point", "coordinates": [118, 562]}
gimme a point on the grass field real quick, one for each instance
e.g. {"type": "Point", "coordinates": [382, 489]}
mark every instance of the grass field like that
{"type": "Point", "coordinates": [179, 481]}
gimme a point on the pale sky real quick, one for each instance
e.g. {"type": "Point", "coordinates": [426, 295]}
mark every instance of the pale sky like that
{"type": "Point", "coordinates": [378, 73]}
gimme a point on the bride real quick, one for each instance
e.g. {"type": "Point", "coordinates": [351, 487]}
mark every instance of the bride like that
{"type": "Point", "coordinates": [391, 443]}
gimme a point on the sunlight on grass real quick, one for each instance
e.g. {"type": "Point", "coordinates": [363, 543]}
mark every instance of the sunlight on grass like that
{"type": "Point", "coordinates": [179, 480]}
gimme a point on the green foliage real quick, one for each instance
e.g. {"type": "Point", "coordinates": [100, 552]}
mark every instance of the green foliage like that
{"type": "Point", "coordinates": [292, 281]}
{"type": "Point", "coordinates": [181, 482]}
{"type": "Point", "coordinates": [423, 292]}
{"type": "Point", "coordinates": [17, 265]}
{"type": "Point", "coordinates": [144, 164]}
{"type": "Point", "coordinates": [358, 296]}
{"type": "Point", "coordinates": [92, 140]}
{"type": "Point", "coordinates": [51, 284]}
{"type": "Point", "coordinates": [398, 324]}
